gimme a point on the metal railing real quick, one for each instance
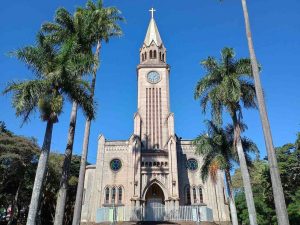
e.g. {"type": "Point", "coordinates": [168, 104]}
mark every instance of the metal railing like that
{"type": "Point", "coordinates": [154, 213]}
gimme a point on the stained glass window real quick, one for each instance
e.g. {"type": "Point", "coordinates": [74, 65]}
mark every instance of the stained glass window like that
{"type": "Point", "coordinates": [113, 195]}
{"type": "Point", "coordinates": [115, 164]}
{"type": "Point", "coordinates": [192, 164]}
{"type": "Point", "coordinates": [120, 194]}
{"type": "Point", "coordinates": [194, 195]}
{"type": "Point", "coordinates": [201, 195]}
{"type": "Point", "coordinates": [106, 195]}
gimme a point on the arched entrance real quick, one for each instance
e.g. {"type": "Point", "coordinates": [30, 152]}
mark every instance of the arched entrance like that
{"type": "Point", "coordinates": [155, 203]}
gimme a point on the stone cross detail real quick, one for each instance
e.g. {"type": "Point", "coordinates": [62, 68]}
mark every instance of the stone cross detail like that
{"type": "Point", "coordinates": [152, 10]}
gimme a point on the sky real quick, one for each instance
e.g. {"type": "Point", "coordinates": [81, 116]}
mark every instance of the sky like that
{"type": "Point", "coordinates": [191, 30]}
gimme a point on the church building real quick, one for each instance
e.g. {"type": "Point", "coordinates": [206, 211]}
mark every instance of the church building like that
{"type": "Point", "coordinates": [153, 168]}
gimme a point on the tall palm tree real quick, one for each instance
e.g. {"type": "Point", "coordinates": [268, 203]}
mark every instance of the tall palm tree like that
{"type": "Point", "coordinates": [87, 27]}
{"type": "Point", "coordinates": [279, 200]}
{"type": "Point", "coordinates": [56, 78]}
{"type": "Point", "coordinates": [67, 27]}
{"type": "Point", "coordinates": [227, 85]}
{"type": "Point", "coordinates": [104, 25]}
{"type": "Point", "coordinates": [219, 153]}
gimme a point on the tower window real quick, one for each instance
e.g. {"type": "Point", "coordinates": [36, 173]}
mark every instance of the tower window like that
{"type": "Point", "coordinates": [142, 57]}
{"type": "Point", "coordinates": [163, 57]}
{"type": "Point", "coordinates": [143, 164]}
{"type": "Point", "coordinates": [145, 55]}
{"type": "Point", "coordinates": [107, 195]}
{"type": "Point", "coordinates": [120, 195]}
{"type": "Point", "coordinates": [201, 195]}
{"type": "Point", "coordinates": [154, 54]}
{"type": "Point", "coordinates": [150, 54]}
{"type": "Point", "coordinates": [160, 56]}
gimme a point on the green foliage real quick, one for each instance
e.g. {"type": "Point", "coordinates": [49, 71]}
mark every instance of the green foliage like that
{"type": "Point", "coordinates": [56, 77]}
{"type": "Point", "coordinates": [18, 162]}
{"type": "Point", "coordinates": [227, 84]}
{"type": "Point", "coordinates": [288, 157]}
{"type": "Point", "coordinates": [216, 146]}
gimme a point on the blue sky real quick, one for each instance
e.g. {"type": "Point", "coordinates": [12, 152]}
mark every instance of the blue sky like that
{"type": "Point", "coordinates": [191, 31]}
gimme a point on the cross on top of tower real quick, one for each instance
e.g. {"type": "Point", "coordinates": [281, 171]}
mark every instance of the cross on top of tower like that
{"type": "Point", "coordinates": [152, 10]}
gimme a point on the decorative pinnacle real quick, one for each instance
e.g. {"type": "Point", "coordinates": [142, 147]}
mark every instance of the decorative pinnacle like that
{"type": "Point", "coordinates": [152, 10]}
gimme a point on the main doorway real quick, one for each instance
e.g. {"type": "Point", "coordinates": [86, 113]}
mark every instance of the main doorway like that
{"type": "Point", "coordinates": [155, 207]}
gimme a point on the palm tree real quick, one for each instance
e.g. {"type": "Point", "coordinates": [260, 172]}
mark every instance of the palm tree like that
{"type": "Point", "coordinates": [56, 78]}
{"type": "Point", "coordinates": [67, 28]}
{"type": "Point", "coordinates": [228, 84]}
{"type": "Point", "coordinates": [218, 153]}
{"type": "Point", "coordinates": [106, 19]}
{"type": "Point", "coordinates": [279, 200]}
{"type": "Point", "coordinates": [87, 27]}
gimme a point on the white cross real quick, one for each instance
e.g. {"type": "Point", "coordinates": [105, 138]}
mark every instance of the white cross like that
{"type": "Point", "coordinates": [152, 10]}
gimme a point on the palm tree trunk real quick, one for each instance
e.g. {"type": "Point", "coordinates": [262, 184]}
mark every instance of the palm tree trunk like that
{"type": "Point", "coordinates": [80, 186]}
{"type": "Point", "coordinates": [232, 206]}
{"type": "Point", "coordinates": [245, 172]}
{"type": "Point", "coordinates": [62, 193]}
{"type": "Point", "coordinates": [279, 200]}
{"type": "Point", "coordinates": [40, 175]}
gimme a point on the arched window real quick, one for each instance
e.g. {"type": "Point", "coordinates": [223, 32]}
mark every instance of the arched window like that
{"type": "Point", "coordinates": [160, 56]}
{"type": "Point", "coordinates": [142, 57]}
{"type": "Point", "coordinates": [194, 195]}
{"type": "Point", "coordinates": [150, 164]}
{"type": "Point", "coordinates": [163, 57]}
{"type": "Point", "coordinates": [154, 163]}
{"type": "Point", "coordinates": [188, 195]}
{"type": "Point", "coordinates": [145, 55]}
{"type": "Point", "coordinates": [120, 195]}
{"type": "Point", "coordinates": [107, 195]}
{"type": "Point", "coordinates": [200, 195]}
{"type": "Point", "coordinates": [150, 54]}
{"type": "Point", "coordinates": [113, 195]}
{"type": "Point", "coordinates": [154, 54]}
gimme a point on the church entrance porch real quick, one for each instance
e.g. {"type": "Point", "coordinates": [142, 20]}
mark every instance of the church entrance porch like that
{"type": "Point", "coordinates": [154, 205]}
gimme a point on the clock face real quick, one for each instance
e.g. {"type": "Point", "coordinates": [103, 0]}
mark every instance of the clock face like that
{"type": "Point", "coordinates": [153, 77]}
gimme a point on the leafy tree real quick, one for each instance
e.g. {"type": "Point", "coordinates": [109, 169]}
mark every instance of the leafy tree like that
{"type": "Point", "coordinates": [216, 147]}
{"type": "Point", "coordinates": [18, 159]}
{"type": "Point", "coordinates": [288, 161]}
{"type": "Point", "coordinates": [227, 85]}
{"type": "Point", "coordinates": [261, 184]}
{"type": "Point", "coordinates": [294, 208]}
{"type": "Point", "coordinates": [18, 162]}
{"type": "Point", "coordinates": [56, 77]}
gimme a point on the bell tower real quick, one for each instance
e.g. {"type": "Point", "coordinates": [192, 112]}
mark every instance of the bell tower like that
{"type": "Point", "coordinates": [154, 123]}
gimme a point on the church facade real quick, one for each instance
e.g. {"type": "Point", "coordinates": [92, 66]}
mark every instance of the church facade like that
{"type": "Point", "coordinates": [154, 166]}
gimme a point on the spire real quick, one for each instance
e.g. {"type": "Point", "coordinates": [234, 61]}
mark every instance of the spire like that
{"type": "Point", "coordinates": [152, 32]}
